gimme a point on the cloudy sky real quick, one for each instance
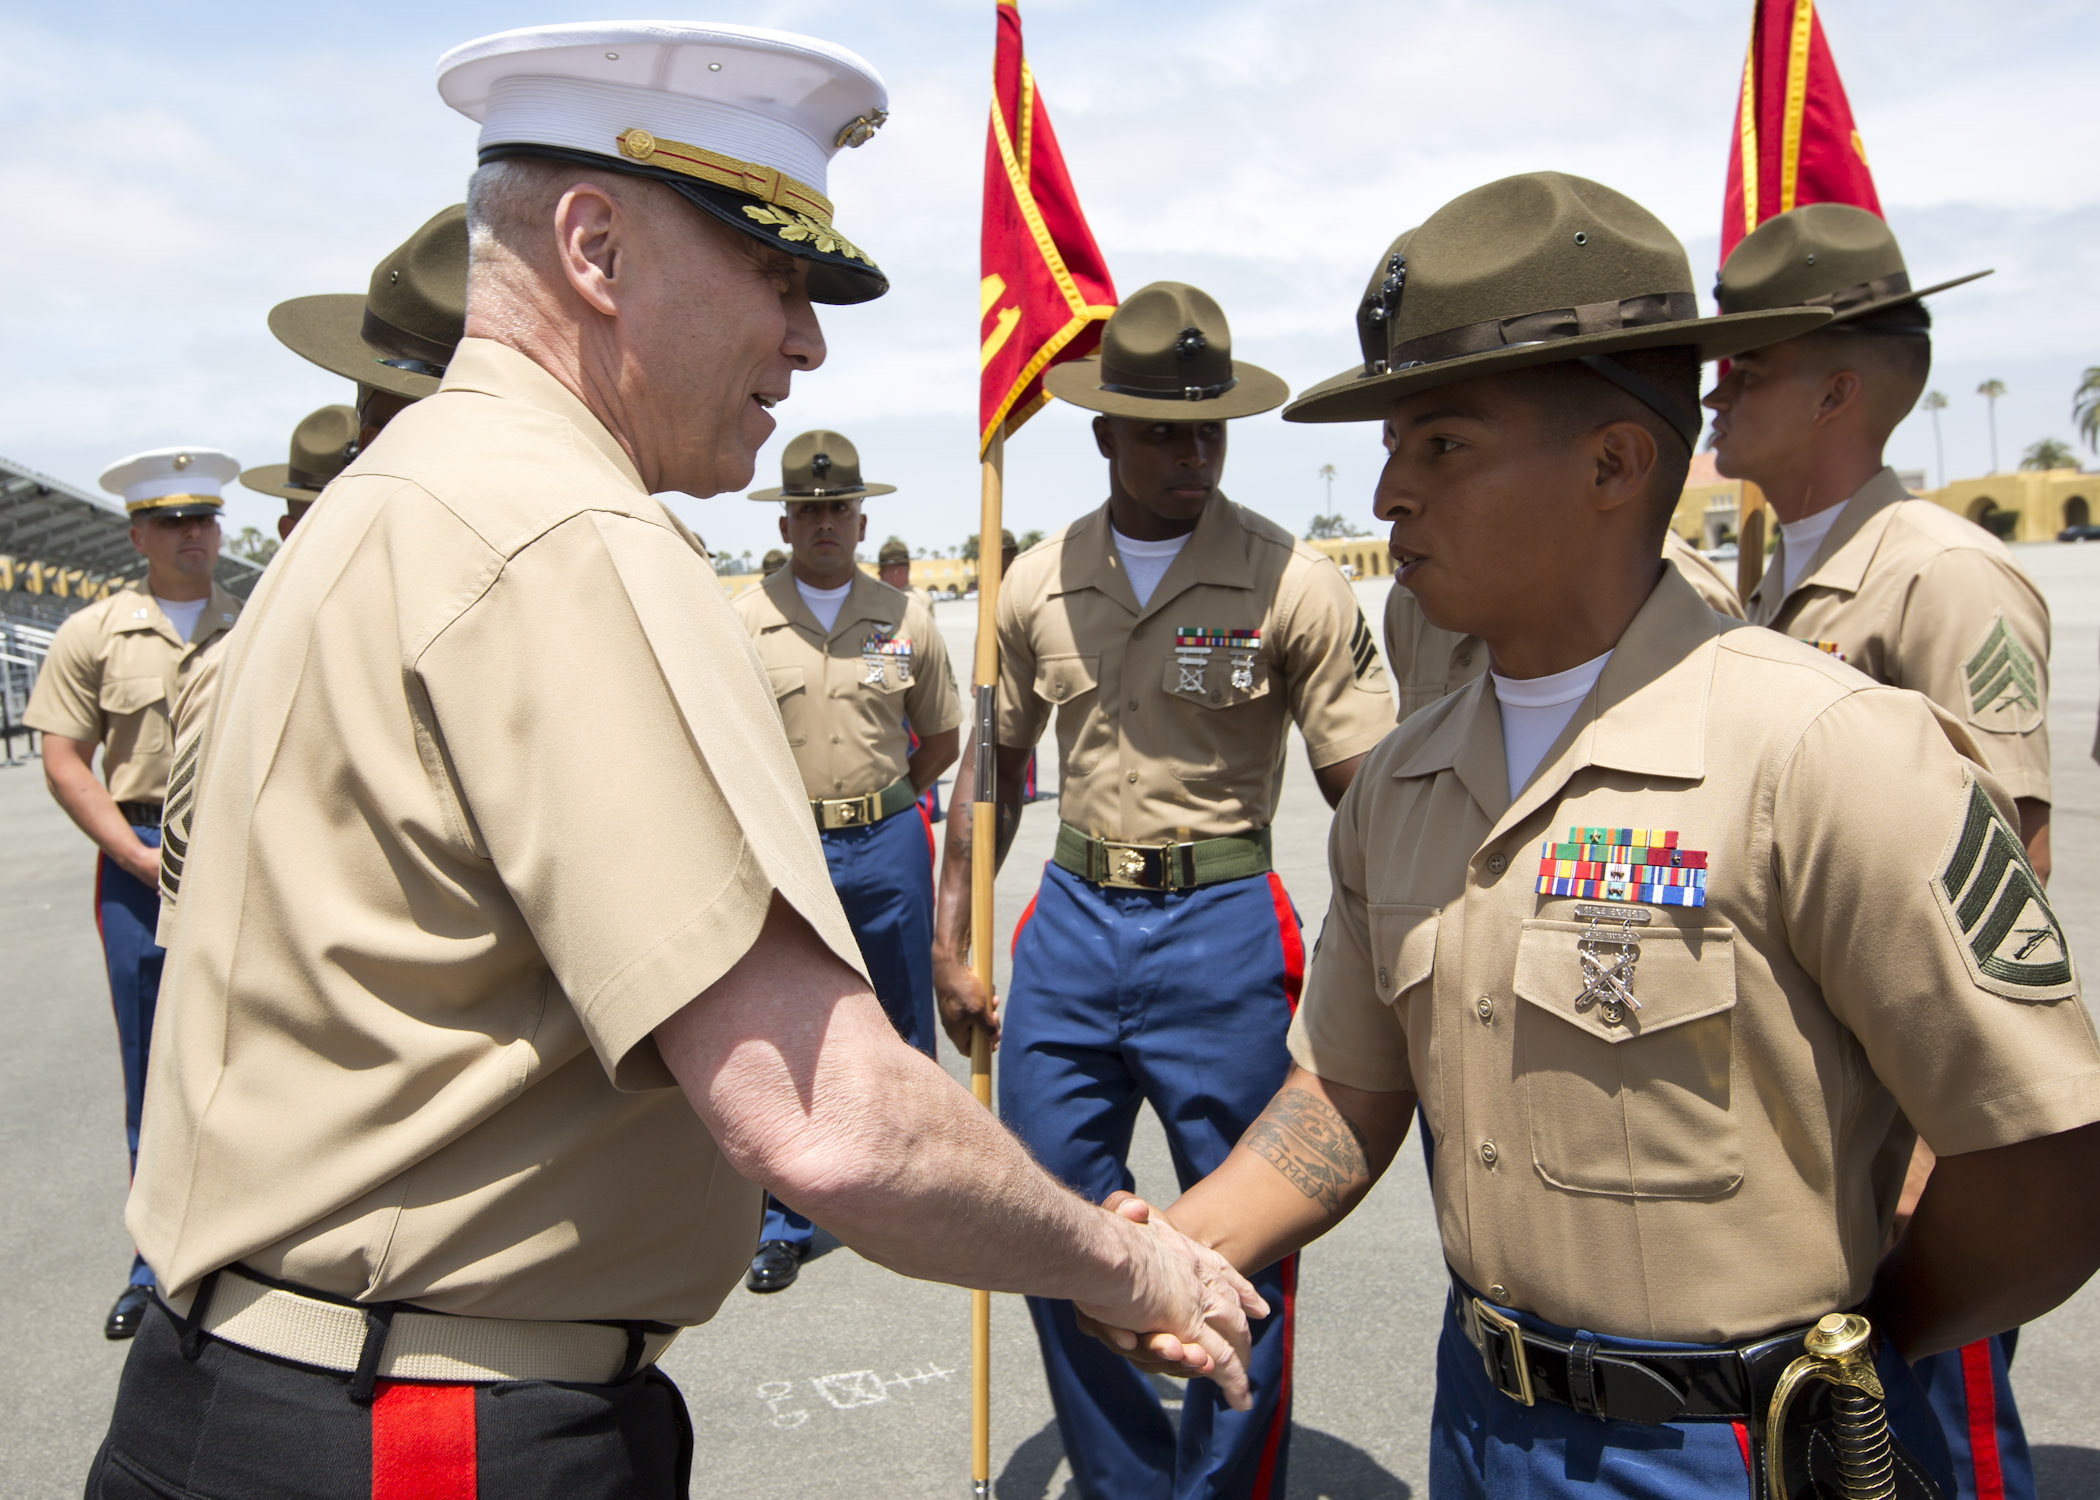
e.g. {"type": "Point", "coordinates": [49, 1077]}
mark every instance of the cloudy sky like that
{"type": "Point", "coordinates": [171, 172]}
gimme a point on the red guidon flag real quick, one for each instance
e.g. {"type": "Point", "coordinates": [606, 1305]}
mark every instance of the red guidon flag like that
{"type": "Point", "coordinates": [1795, 142]}
{"type": "Point", "coordinates": [1045, 291]}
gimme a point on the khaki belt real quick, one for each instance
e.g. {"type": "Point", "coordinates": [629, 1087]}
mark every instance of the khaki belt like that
{"type": "Point", "coordinates": [859, 812]}
{"type": "Point", "coordinates": [416, 1345]}
{"type": "Point", "coordinates": [1161, 867]}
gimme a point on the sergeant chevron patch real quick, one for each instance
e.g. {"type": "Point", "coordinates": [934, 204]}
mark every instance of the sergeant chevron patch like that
{"type": "Point", "coordinates": [2005, 690]}
{"type": "Point", "coordinates": [2009, 935]}
{"type": "Point", "coordinates": [175, 818]}
{"type": "Point", "coordinates": [1362, 649]}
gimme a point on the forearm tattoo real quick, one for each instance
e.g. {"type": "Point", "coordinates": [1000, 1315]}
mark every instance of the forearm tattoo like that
{"type": "Point", "coordinates": [1312, 1144]}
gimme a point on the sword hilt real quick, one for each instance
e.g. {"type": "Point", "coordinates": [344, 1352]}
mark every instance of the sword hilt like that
{"type": "Point", "coordinates": [1840, 1354]}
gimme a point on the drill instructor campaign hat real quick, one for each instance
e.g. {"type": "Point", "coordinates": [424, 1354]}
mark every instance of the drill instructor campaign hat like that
{"type": "Point", "coordinates": [741, 122]}
{"type": "Point", "coordinates": [1370, 326]}
{"type": "Point", "coordinates": [401, 333]}
{"type": "Point", "coordinates": [172, 481]}
{"type": "Point", "coordinates": [1166, 356]}
{"type": "Point", "coordinates": [1534, 270]}
{"type": "Point", "coordinates": [1822, 255]}
{"type": "Point", "coordinates": [821, 465]}
{"type": "Point", "coordinates": [323, 444]}
{"type": "Point", "coordinates": [892, 551]}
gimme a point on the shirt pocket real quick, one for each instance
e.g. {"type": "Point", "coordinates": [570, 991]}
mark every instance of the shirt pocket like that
{"type": "Point", "coordinates": [791, 693]}
{"type": "Point", "coordinates": [137, 711]}
{"type": "Point", "coordinates": [1068, 682]}
{"type": "Point", "coordinates": [1215, 717]}
{"type": "Point", "coordinates": [1403, 959]}
{"type": "Point", "coordinates": [1640, 1108]}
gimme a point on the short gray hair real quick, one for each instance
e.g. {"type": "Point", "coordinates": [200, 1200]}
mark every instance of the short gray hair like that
{"type": "Point", "coordinates": [509, 203]}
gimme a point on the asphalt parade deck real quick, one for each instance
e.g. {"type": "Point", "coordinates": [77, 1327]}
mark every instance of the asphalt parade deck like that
{"type": "Point", "coordinates": [855, 1382]}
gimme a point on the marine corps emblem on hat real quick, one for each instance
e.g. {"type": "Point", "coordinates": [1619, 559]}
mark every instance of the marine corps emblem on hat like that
{"type": "Point", "coordinates": [172, 481]}
{"type": "Point", "coordinates": [821, 465]}
{"type": "Point", "coordinates": [1822, 255]}
{"type": "Point", "coordinates": [739, 121]}
{"type": "Point", "coordinates": [402, 332]}
{"type": "Point", "coordinates": [1166, 356]}
{"type": "Point", "coordinates": [1534, 270]}
{"type": "Point", "coordinates": [323, 444]}
{"type": "Point", "coordinates": [1371, 313]}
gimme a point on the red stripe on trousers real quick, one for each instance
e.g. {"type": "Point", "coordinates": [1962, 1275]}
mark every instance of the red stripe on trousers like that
{"type": "Point", "coordinates": [926, 818]}
{"type": "Point", "coordinates": [1742, 1444]}
{"type": "Point", "coordinates": [1981, 1394]}
{"type": "Point", "coordinates": [1293, 941]}
{"type": "Point", "coordinates": [1026, 912]}
{"type": "Point", "coordinates": [1265, 1475]}
{"type": "Point", "coordinates": [423, 1442]}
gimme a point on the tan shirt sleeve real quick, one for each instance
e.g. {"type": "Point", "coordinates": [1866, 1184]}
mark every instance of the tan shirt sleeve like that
{"type": "Point", "coordinates": [930, 703]}
{"type": "Point", "coordinates": [1347, 1030]}
{"type": "Point", "coordinates": [1710, 583]}
{"type": "Point", "coordinates": [1020, 715]}
{"type": "Point", "coordinates": [1909, 901]}
{"type": "Point", "coordinates": [67, 698]}
{"type": "Point", "coordinates": [620, 761]}
{"type": "Point", "coordinates": [1331, 667]}
{"type": "Point", "coordinates": [1975, 640]}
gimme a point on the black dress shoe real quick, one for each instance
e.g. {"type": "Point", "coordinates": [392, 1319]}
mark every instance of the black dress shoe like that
{"type": "Point", "coordinates": [774, 1268]}
{"type": "Point", "coordinates": [130, 1311]}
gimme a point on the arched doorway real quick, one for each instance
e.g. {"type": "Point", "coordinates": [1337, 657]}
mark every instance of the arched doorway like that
{"type": "Point", "coordinates": [1980, 507]}
{"type": "Point", "coordinates": [2077, 512]}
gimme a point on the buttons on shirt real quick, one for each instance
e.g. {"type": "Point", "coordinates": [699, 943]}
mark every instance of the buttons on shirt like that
{"type": "Point", "coordinates": [1499, 1293]}
{"type": "Point", "coordinates": [1463, 659]}
{"type": "Point", "coordinates": [1133, 705]}
{"type": "Point", "coordinates": [1132, 778]}
{"type": "Point", "coordinates": [1484, 1007]}
{"type": "Point", "coordinates": [1497, 863]}
{"type": "Point", "coordinates": [1384, 981]}
{"type": "Point", "coordinates": [1489, 1154]}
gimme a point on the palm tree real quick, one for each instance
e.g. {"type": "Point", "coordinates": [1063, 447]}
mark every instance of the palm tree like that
{"type": "Point", "coordinates": [2049, 453]}
{"type": "Point", "coordinates": [1991, 390]}
{"type": "Point", "coordinates": [1935, 403]}
{"type": "Point", "coordinates": [2085, 407]}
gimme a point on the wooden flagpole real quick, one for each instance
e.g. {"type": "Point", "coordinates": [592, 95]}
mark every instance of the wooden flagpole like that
{"type": "Point", "coordinates": [984, 843]}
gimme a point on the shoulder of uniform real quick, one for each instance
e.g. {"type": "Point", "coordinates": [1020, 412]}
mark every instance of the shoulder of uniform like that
{"type": "Point", "coordinates": [889, 593]}
{"type": "Point", "coordinates": [1921, 523]}
{"type": "Point", "coordinates": [91, 620]}
{"type": "Point", "coordinates": [1039, 562]}
{"type": "Point", "coordinates": [1814, 678]}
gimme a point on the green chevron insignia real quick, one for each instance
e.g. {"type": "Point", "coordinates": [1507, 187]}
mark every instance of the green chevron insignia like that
{"type": "Point", "coordinates": [2002, 678]}
{"type": "Point", "coordinates": [1362, 650]}
{"type": "Point", "coordinates": [2010, 937]}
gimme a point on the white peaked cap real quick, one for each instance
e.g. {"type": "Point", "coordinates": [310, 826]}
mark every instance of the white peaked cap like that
{"type": "Point", "coordinates": [772, 101]}
{"type": "Point", "coordinates": [160, 472]}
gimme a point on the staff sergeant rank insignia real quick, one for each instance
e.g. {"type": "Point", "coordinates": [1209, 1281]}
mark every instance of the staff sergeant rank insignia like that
{"type": "Point", "coordinates": [2009, 935]}
{"type": "Point", "coordinates": [1624, 864]}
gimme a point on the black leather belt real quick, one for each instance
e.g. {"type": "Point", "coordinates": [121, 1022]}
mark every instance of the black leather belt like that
{"type": "Point", "coordinates": [1624, 1385]}
{"type": "Point", "coordinates": [140, 813]}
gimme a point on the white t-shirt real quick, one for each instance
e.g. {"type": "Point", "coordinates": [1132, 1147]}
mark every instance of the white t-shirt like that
{"type": "Point", "coordinates": [182, 613]}
{"type": "Point", "coordinates": [1534, 712]}
{"type": "Point", "coordinates": [824, 603]}
{"type": "Point", "coordinates": [1146, 562]}
{"type": "Point", "coordinates": [1803, 538]}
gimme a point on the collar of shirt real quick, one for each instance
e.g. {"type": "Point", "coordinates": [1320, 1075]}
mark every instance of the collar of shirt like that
{"type": "Point", "coordinates": [1647, 715]}
{"type": "Point", "coordinates": [1216, 554]}
{"type": "Point", "coordinates": [1841, 562]}
{"type": "Point", "coordinates": [865, 602]}
{"type": "Point", "coordinates": [143, 612]}
{"type": "Point", "coordinates": [494, 369]}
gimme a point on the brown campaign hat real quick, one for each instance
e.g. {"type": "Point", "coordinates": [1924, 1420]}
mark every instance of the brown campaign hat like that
{"type": "Point", "coordinates": [1822, 255]}
{"type": "Point", "coordinates": [892, 551]}
{"type": "Point", "coordinates": [323, 444]}
{"type": "Point", "coordinates": [1534, 270]}
{"type": "Point", "coordinates": [401, 333]}
{"type": "Point", "coordinates": [1370, 326]}
{"type": "Point", "coordinates": [821, 465]}
{"type": "Point", "coordinates": [1166, 356]}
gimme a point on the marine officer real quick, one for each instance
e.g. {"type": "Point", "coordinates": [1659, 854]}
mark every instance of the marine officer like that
{"type": "Point", "coordinates": [1176, 637]}
{"type": "Point", "coordinates": [510, 975]}
{"type": "Point", "coordinates": [113, 674]}
{"type": "Point", "coordinates": [1652, 959]}
{"type": "Point", "coordinates": [867, 697]}
{"type": "Point", "coordinates": [1911, 594]}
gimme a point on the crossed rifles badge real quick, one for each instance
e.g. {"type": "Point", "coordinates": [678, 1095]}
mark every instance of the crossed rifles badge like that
{"type": "Point", "coordinates": [882, 643]}
{"type": "Point", "coordinates": [1630, 868]}
{"type": "Point", "coordinates": [1193, 645]}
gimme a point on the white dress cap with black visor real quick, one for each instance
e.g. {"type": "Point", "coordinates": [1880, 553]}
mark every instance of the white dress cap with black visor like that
{"type": "Point", "coordinates": [740, 121]}
{"type": "Point", "coordinates": [172, 481]}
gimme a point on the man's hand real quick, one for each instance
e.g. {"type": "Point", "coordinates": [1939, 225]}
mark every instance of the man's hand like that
{"type": "Point", "coordinates": [963, 1003]}
{"type": "Point", "coordinates": [1188, 1312]}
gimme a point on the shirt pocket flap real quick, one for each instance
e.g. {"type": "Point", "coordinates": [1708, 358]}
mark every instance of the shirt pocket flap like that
{"type": "Point", "coordinates": [128, 695]}
{"type": "Point", "coordinates": [1217, 683]}
{"type": "Point", "coordinates": [1403, 946]}
{"type": "Point", "coordinates": [1579, 974]}
{"type": "Point", "coordinates": [1061, 679]}
{"type": "Point", "coordinates": [785, 680]}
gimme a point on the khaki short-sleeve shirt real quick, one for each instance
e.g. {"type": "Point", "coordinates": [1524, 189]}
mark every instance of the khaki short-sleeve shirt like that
{"type": "Point", "coordinates": [112, 678]}
{"type": "Point", "coordinates": [1172, 719]}
{"type": "Point", "coordinates": [1916, 597]}
{"type": "Point", "coordinates": [493, 786]}
{"type": "Point", "coordinates": [847, 694]}
{"type": "Point", "coordinates": [1428, 663]}
{"type": "Point", "coordinates": [1691, 1121]}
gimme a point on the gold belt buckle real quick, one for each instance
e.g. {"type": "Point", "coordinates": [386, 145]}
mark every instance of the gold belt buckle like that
{"type": "Point", "coordinates": [1491, 1324]}
{"type": "Point", "coordinates": [852, 812]}
{"type": "Point", "coordinates": [1124, 866]}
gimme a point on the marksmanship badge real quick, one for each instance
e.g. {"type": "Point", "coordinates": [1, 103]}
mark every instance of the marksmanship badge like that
{"type": "Point", "coordinates": [1608, 955]}
{"type": "Point", "coordinates": [880, 645]}
{"type": "Point", "coordinates": [1193, 645]}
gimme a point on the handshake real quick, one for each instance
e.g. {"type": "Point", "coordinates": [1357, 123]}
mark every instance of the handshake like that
{"type": "Point", "coordinates": [1187, 1310]}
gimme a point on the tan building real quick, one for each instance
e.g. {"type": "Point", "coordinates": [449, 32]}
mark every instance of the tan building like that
{"type": "Point", "coordinates": [1357, 556]}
